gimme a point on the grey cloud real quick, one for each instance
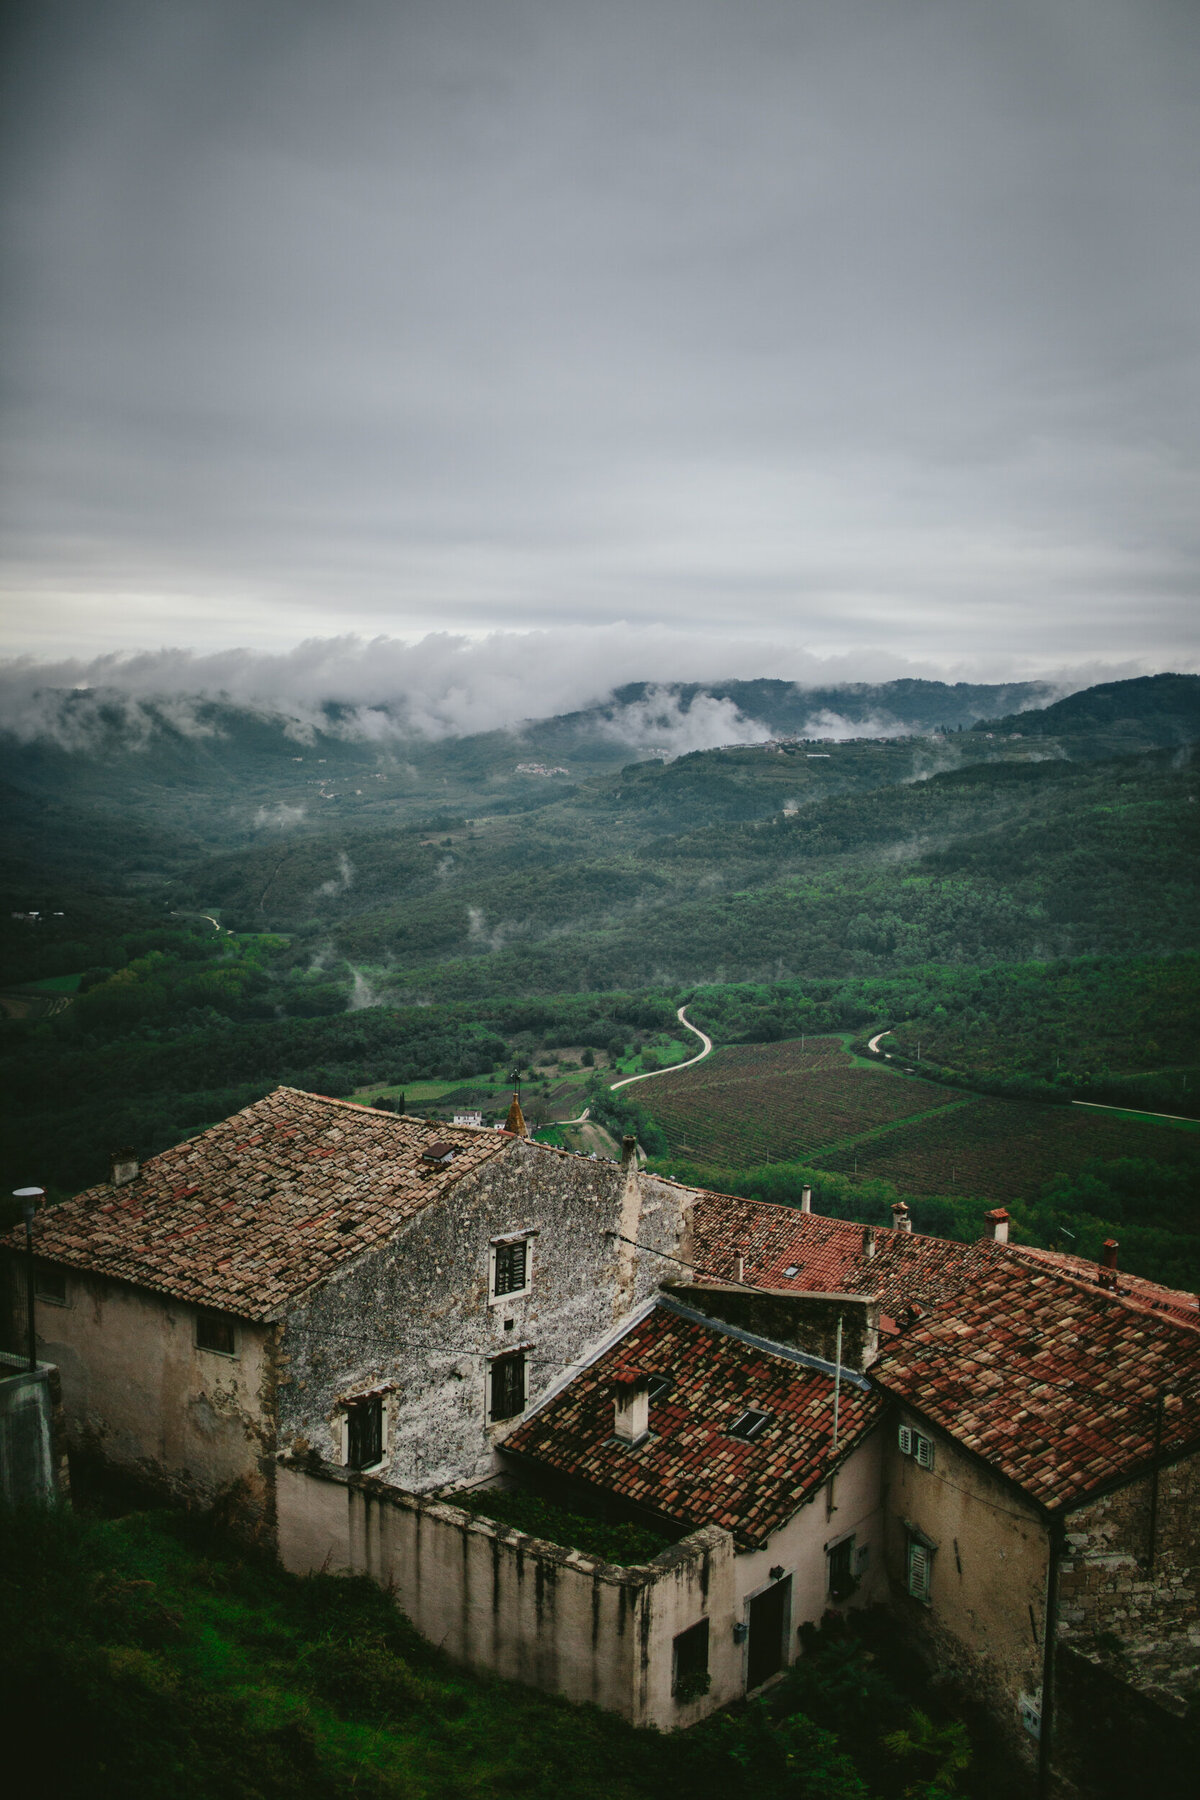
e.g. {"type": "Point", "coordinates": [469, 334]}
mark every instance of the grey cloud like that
{"type": "Point", "coordinates": [853, 327]}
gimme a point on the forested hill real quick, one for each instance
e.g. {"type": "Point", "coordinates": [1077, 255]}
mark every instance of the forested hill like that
{"type": "Point", "coordinates": [230, 774]}
{"type": "Point", "coordinates": [1151, 709]}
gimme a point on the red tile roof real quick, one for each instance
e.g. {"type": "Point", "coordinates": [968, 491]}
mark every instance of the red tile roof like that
{"type": "Point", "coordinates": [1054, 1382]}
{"type": "Point", "coordinates": [1134, 1288]}
{"type": "Point", "coordinates": [249, 1215]}
{"type": "Point", "coordinates": [690, 1469]}
{"type": "Point", "coordinates": [828, 1254]}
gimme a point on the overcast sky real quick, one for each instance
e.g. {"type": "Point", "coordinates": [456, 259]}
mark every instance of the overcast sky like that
{"type": "Point", "coordinates": [855, 328]}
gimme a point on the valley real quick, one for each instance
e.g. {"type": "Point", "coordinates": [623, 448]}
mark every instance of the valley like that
{"type": "Point", "coordinates": [190, 920]}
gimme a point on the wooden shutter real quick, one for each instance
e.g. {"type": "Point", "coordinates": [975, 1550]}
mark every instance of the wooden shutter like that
{"type": "Point", "coordinates": [924, 1450]}
{"type": "Point", "coordinates": [510, 1267]}
{"type": "Point", "coordinates": [919, 1561]}
{"type": "Point", "coordinates": [906, 1437]}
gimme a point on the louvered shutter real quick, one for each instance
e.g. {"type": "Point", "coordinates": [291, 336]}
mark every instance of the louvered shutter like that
{"type": "Point", "coordinates": [918, 1570]}
{"type": "Point", "coordinates": [924, 1450]}
{"type": "Point", "coordinates": [906, 1437]}
{"type": "Point", "coordinates": [510, 1268]}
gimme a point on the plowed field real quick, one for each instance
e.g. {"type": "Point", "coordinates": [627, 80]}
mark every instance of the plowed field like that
{"type": "Point", "coordinates": [753, 1103]}
{"type": "Point", "coordinates": [1001, 1149]}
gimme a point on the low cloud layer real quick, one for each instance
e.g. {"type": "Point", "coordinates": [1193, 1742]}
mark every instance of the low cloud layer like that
{"type": "Point", "coordinates": [451, 684]}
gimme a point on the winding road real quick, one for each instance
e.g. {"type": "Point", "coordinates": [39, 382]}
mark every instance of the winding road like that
{"type": "Point", "coordinates": [650, 1074]}
{"type": "Point", "coordinates": [626, 1080]}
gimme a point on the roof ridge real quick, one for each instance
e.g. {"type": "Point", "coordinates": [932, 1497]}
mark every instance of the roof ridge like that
{"type": "Point", "coordinates": [1078, 1279]}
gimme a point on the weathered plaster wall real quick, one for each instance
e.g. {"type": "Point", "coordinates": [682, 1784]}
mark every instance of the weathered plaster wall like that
{"type": "Point", "coordinates": [1142, 1617]}
{"type": "Point", "coordinates": [33, 1460]}
{"type": "Point", "coordinates": [986, 1615]}
{"type": "Point", "coordinates": [414, 1318]}
{"type": "Point", "coordinates": [138, 1392]}
{"type": "Point", "coordinates": [499, 1600]}
{"type": "Point", "coordinates": [801, 1546]}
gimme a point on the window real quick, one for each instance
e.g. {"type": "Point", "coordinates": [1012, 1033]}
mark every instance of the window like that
{"type": "Point", "coordinates": [215, 1332]}
{"type": "Point", "coordinates": [749, 1425]}
{"type": "Point", "coordinates": [364, 1432]}
{"type": "Point", "coordinates": [511, 1265]}
{"type": "Point", "coordinates": [690, 1677]}
{"type": "Point", "coordinates": [920, 1568]}
{"type": "Point", "coordinates": [842, 1577]}
{"type": "Point", "coordinates": [659, 1387]}
{"type": "Point", "coordinates": [510, 1268]}
{"type": "Point", "coordinates": [917, 1445]}
{"type": "Point", "coordinates": [50, 1284]}
{"type": "Point", "coordinates": [507, 1377]}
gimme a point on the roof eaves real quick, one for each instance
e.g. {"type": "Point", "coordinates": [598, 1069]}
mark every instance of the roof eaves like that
{"type": "Point", "coordinates": [975, 1456]}
{"type": "Point", "coordinates": [1114, 1483]}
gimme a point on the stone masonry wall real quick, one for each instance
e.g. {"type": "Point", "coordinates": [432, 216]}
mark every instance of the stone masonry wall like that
{"type": "Point", "coordinates": [414, 1320]}
{"type": "Point", "coordinates": [1142, 1619]}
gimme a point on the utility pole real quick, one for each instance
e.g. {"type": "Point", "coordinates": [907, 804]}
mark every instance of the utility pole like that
{"type": "Point", "coordinates": [29, 1198]}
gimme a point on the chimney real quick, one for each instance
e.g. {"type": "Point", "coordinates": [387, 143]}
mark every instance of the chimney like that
{"type": "Point", "coordinates": [868, 1248]}
{"type": "Point", "coordinates": [900, 1218]}
{"type": "Point", "coordinates": [631, 1407]}
{"type": "Point", "coordinates": [628, 1150]}
{"type": "Point", "coordinates": [997, 1224]}
{"type": "Point", "coordinates": [1106, 1275]}
{"type": "Point", "coordinates": [739, 1268]}
{"type": "Point", "coordinates": [806, 1200]}
{"type": "Point", "coordinates": [123, 1166]}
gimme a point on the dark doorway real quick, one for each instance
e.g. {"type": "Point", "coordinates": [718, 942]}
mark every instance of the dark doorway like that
{"type": "Point", "coordinates": [770, 1616]}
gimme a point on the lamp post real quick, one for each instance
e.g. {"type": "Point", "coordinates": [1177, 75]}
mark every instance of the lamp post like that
{"type": "Point", "coordinates": [29, 1198]}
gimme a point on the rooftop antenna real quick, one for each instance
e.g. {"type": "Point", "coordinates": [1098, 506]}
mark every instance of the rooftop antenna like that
{"type": "Point", "coordinates": [837, 1383]}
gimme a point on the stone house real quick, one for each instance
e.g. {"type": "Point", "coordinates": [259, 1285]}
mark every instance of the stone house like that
{"type": "Point", "coordinates": [343, 1317]}
{"type": "Point", "coordinates": [1041, 1468]}
{"type": "Point", "coordinates": [381, 1292]}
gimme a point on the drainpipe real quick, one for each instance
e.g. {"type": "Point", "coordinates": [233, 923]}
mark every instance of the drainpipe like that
{"type": "Point", "coordinates": [1158, 1431]}
{"type": "Point", "coordinates": [837, 1384]}
{"type": "Point", "coordinates": [1049, 1647]}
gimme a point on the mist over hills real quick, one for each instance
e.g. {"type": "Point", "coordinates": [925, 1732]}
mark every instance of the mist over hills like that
{"type": "Point", "coordinates": [218, 769]}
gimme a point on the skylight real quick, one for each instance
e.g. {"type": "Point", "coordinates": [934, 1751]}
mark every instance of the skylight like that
{"type": "Point", "coordinates": [792, 1269]}
{"type": "Point", "coordinates": [749, 1425]}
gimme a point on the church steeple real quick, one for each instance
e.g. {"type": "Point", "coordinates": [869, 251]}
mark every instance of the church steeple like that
{"type": "Point", "coordinates": [515, 1121]}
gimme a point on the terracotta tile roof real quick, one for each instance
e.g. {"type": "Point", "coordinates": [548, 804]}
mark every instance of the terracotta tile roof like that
{"type": "Point", "coordinates": [827, 1255]}
{"type": "Point", "coordinates": [690, 1469]}
{"type": "Point", "coordinates": [1053, 1381]}
{"type": "Point", "coordinates": [1134, 1288]}
{"type": "Point", "coordinates": [250, 1214]}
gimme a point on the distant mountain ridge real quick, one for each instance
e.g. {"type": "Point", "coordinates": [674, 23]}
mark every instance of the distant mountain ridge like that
{"type": "Point", "coordinates": [1161, 709]}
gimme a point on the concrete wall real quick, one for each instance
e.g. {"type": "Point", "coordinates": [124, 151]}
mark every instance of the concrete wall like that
{"type": "Point", "coordinates": [414, 1319]}
{"type": "Point", "coordinates": [33, 1463]}
{"type": "Point", "coordinates": [1141, 1617]}
{"type": "Point", "coordinates": [498, 1600]}
{"type": "Point", "coordinates": [139, 1393]}
{"type": "Point", "coordinates": [985, 1620]}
